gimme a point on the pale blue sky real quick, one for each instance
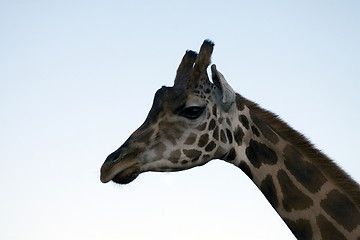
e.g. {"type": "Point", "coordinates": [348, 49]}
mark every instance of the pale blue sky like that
{"type": "Point", "coordinates": [78, 77]}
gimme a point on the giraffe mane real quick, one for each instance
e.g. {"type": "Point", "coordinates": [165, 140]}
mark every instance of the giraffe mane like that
{"type": "Point", "coordinates": [330, 169]}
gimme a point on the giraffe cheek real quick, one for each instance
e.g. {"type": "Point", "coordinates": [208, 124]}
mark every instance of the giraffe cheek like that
{"type": "Point", "coordinates": [154, 154]}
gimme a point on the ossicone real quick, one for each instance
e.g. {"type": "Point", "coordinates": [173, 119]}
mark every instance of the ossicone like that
{"type": "Point", "coordinates": [194, 65]}
{"type": "Point", "coordinates": [185, 67]}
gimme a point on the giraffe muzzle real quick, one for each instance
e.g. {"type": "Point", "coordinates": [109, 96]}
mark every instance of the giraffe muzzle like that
{"type": "Point", "coordinates": [121, 172]}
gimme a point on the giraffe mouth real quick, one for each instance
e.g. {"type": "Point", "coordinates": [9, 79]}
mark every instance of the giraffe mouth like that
{"type": "Point", "coordinates": [121, 172]}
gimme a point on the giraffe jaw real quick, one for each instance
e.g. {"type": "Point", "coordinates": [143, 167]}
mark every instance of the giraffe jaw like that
{"type": "Point", "coordinates": [122, 172]}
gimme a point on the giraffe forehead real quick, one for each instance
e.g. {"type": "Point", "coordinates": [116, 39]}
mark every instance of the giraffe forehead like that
{"type": "Point", "coordinates": [167, 99]}
{"type": "Point", "coordinates": [172, 99]}
{"type": "Point", "coordinates": [194, 100]}
{"type": "Point", "coordinates": [170, 95]}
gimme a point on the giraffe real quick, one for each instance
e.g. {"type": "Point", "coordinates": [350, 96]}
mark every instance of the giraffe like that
{"type": "Point", "coordinates": [196, 121]}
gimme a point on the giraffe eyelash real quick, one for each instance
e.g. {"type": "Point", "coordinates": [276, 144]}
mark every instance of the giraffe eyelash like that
{"type": "Point", "coordinates": [192, 112]}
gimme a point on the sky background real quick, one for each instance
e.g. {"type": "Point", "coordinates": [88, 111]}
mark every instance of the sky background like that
{"type": "Point", "coordinates": [78, 77]}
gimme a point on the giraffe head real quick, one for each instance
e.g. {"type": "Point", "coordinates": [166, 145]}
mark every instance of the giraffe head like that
{"type": "Point", "coordinates": [187, 125]}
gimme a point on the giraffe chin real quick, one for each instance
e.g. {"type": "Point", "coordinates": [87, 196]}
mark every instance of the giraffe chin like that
{"type": "Point", "coordinates": [121, 172]}
{"type": "Point", "coordinates": [128, 175]}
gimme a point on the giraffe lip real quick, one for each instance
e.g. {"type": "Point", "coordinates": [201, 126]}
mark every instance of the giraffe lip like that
{"type": "Point", "coordinates": [127, 175]}
{"type": "Point", "coordinates": [121, 172]}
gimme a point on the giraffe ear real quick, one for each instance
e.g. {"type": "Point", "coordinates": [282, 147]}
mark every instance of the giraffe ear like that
{"type": "Point", "coordinates": [227, 93]}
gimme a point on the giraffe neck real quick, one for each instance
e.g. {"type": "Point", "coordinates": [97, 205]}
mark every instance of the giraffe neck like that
{"type": "Point", "coordinates": [314, 197]}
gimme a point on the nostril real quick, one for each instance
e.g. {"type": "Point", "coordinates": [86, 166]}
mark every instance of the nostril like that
{"type": "Point", "coordinates": [113, 156]}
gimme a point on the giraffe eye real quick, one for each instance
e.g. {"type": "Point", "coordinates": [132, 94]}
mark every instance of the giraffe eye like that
{"type": "Point", "coordinates": [192, 112]}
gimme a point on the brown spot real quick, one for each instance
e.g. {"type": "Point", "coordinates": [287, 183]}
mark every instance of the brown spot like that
{"type": "Point", "coordinates": [265, 129]}
{"type": "Point", "coordinates": [190, 139]}
{"type": "Point", "coordinates": [246, 169]}
{"type": "Point", "coordinates": [208, 115]}
{"type": "Point", "coordinates": [221, 120]}
{"type": "Point", "coordinates": [229, 135]}
{"type": "Point", "coordinates": [201, 127]}
{"type": "Point", "coordinates": [203, 140]}
{"type": "Point", "coordinates": [173, 128]}
{"type": "Point", "coordinates": [305, 172]}
{"type": "Point", "coordinates": [210, 146]}
{"type": "Point", "coordinates": [231, 155]}
{"type": "Point", "coordinates": [206, 157]}
{"type": "Point", "coordinates": [175, 156]}
{"type": "Point", "coordinates": [244, 121]}
{"type": "Point", "coordinates": [216, 133]}
{"type": "Point", "coordinates": [214, 110]}
{"type": "Point", "coordinates": [267, 187]}
{"type": "Point", "coordinates": [328, 230]}
{"type": "Point", "coordinates": [259, 153]}
{"type": "Point", "coordinates": [293, 198]}
{"type": "Point", "coordinates": [341, 209]}
{"type": "Point", "coordinates": [222, 136]}
{"type": "Point", "coordinates": [192, 154]}
{"type": "Point", "coordinates": [255, 131]}
{"type": "Point", "coordinates": [219, 153]}
{"type": "Point", "coordinates": [212, 124]}
{"type": "Point", "coordinates": [301, 228]}
{"type": "Point", "coordinates": [239, 103]}
{"type": "Point", "coordinates": [238, 135]}
{"type": "Point", "coordinates": [228, 121]}
{"type": "Point", "coordinates": [184, 162]}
